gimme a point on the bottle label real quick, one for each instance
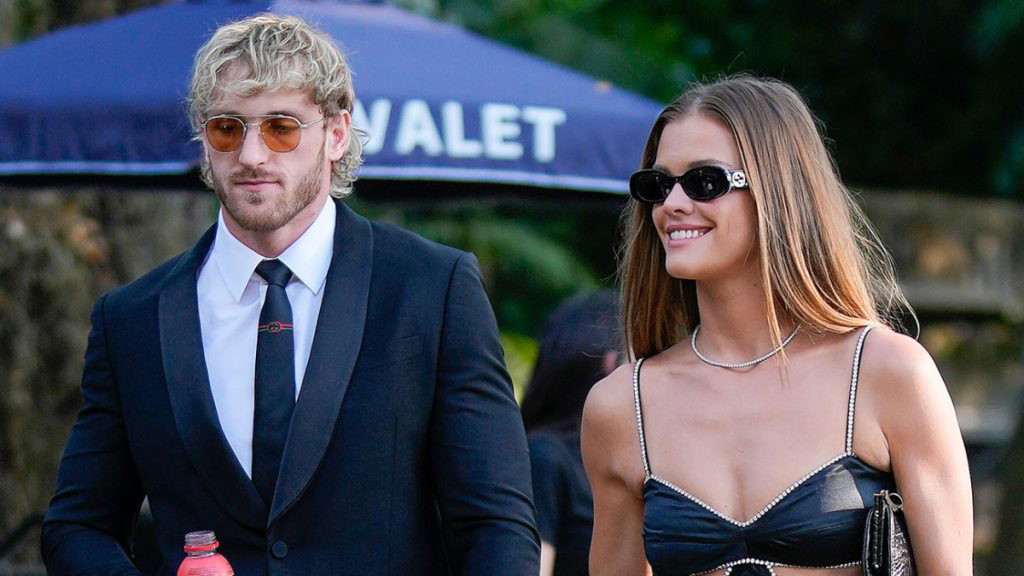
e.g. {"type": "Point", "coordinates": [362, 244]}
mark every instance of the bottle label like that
{"type": "Point", "coordinates": [214, 565]}
{"type": "Point", "coordinates": [208, 571]}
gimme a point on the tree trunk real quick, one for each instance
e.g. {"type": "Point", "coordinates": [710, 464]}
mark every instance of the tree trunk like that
{"type": "Point", "coordinates": [59, 250]}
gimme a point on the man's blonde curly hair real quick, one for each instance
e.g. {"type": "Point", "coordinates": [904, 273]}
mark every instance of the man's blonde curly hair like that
{"type": "Point", "coordinates": [268, 52]}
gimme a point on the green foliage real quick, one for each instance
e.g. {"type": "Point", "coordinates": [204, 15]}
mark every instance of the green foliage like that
{"type": "Point", "coordinates": [915, 94]}
{"type": "Point", "coordinates": [532, 255]}
{"type": "Point", "coordinates": [24, 19]}
{"type": "Point", "coordinates": [520, 356]}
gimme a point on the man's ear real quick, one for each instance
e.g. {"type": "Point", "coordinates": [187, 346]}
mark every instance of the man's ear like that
{"type": "Point", "coordinates": [339, 130]}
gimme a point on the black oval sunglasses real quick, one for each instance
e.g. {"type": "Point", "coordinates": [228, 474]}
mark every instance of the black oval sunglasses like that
{"type": "Point", "coordinates": [704, 183]}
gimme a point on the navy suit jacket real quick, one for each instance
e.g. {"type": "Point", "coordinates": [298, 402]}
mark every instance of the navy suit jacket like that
{"type": "Point", "coordinates": [406, 453]}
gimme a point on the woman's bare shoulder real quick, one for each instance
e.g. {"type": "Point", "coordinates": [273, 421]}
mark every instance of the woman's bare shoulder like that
{"type": "Point", "coordinates": [901, 385]}
{"type": "Point", "coordinates": [898, 363]}
{"type": "Point", "coordinates": [610, 441]}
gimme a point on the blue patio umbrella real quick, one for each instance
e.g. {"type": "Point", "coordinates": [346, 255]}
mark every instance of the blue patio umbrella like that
{"type": "Point", "coordinates": [436, 102]}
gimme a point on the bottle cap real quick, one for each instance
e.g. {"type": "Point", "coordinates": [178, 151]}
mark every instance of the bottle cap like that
{"type": "Point", "coordinates": [201, 541]}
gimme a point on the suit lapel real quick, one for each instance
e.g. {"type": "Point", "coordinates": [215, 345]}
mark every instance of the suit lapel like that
{"type": "Point", "coordinates": [192, 402]}
{"type": "Point", "coordinates": [339, 334]}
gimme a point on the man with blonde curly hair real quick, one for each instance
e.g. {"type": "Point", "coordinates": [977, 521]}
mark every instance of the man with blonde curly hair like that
{"type": "Point", "coordinates": [327, 394]}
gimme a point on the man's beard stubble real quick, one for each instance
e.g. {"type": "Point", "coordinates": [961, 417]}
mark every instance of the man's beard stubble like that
{"type": "Point", "coordinates": [287, 206]}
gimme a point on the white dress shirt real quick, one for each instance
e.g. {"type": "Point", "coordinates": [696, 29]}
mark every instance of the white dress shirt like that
{"type": "Point", "coordinates": [230, 298]}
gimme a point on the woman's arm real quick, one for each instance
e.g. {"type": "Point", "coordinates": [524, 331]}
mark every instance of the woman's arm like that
{"type": "Point", "coordinates": [917, 420]}
{"type": "Point", "coordinates": [615, 471]}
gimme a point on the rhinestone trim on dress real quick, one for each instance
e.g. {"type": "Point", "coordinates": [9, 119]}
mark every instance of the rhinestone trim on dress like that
{"type": "Point", "coordinates": [763, 511]}
{"type": "Point", "coordinates": [743, 524]}
{"type": "Point", "coordinates": [832, 567]}
{"type": "Point", "coordinates": [639, 417]}
{"type": "Point", "coordinates": [729, 566]}
{"type": "Point", "coordinates": [853, 388]}
{"type": "Point", "coordinates": [770, 565]}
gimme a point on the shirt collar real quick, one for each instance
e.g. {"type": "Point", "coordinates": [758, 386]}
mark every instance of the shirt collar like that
{"type": "Point", "coordinates": [309, 257]}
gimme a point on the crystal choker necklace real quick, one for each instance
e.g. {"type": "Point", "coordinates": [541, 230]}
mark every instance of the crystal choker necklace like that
{"type": "Point", "coordinates": [737, 365]}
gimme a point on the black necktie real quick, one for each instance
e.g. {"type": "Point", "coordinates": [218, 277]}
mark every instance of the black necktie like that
{"type": "Point", "coordinates": [275, 379]}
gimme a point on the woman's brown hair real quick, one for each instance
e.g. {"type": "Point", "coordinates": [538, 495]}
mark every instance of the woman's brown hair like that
{"type": "Point", "coordinates": [821, 261]}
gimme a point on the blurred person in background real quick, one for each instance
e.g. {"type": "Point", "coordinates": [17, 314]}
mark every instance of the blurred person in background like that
{"type": "Point", "coordinates": [578, 347]}
{"type": "Point", "coordinates": [770, 396]}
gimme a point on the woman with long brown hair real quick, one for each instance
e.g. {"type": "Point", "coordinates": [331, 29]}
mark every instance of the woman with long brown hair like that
{"type": "Point", "coordinates": [769, 395]}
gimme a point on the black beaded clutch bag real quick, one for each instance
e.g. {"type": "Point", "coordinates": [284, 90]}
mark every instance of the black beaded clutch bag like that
{"type": "Point", "coordinates": [886, 541]}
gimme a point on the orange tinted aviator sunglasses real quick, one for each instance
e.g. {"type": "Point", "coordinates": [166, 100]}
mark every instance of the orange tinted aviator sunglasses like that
{"type": "Point", "coordinates": [281, 133]}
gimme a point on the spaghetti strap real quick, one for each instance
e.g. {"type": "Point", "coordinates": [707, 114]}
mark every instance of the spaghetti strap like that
{"type": "Point", "coordinates": [640, 418]}
{"type": "Point", "coordinates": [853, 388]}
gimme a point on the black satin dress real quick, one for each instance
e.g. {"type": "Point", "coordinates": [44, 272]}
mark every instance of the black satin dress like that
{"type": "Point", "coordinates": [818, 522]}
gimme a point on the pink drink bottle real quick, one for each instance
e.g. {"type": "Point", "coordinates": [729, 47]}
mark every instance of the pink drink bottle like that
{"type": "Point", "coordinates": [202, 558]}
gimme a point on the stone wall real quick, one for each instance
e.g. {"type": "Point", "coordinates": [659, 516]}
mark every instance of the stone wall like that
{"type": "Point", "coordinates": [955, 254]}
{"type": "Point", "coordinates": [58, 251]}
{"type": "Point", "coordinates": [961, 263]}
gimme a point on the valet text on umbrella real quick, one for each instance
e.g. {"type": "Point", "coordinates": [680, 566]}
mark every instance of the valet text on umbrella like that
{"type": "Point", "coordinates": [494, 130]}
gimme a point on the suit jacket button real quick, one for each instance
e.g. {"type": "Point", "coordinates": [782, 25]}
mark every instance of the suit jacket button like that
{"type": "Point", "coordinates": [279, 549]}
